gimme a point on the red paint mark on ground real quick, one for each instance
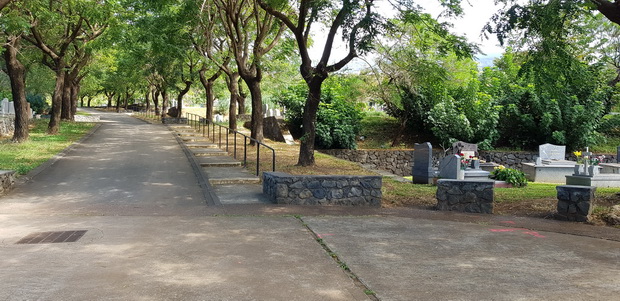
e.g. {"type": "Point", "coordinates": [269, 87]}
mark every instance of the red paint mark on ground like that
{"type": "Point", "coordinates": [503, 230]}
{"type": "Point", "coordinates": [534, 233]}
{"type": "Point", "coordinates": [322, 235]}
{"type": "Point", "coordinates": [508, 222]}
{"type": "Point", "coordinates": [524, 231]}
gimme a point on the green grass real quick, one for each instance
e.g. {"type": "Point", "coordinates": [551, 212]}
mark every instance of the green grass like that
{"type": "Point", "coordinates": [378, 131]}
{"type": "Point", "coordinates": [609, 147]}
{"type": "Point", "coordinates": [26, 156]}
{"type": "Point", "coordinates": [531, 192]}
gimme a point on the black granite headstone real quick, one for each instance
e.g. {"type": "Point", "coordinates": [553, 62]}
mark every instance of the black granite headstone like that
{"type": "Point", "coordinates": [423, 172]}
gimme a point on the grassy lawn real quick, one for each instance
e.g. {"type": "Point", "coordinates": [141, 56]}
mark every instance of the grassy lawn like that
{"type": "Point", "coordinates": [28, 155]}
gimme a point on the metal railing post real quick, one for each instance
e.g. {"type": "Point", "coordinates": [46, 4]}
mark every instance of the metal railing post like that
{"type": "Point", "coordinates": [245, 151]}
{"type": "Point", "coordinates": [257, 157]}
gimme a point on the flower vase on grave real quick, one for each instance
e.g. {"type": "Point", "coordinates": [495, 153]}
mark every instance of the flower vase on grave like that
{"type": "Point", "coordinates": [593, 170]}
{"type": "Point", "coordinates": [475, 164]}
{"type": "Point", "coordinates": [579, 169]}
{"type": "Point", "coordinates": [460, 174]}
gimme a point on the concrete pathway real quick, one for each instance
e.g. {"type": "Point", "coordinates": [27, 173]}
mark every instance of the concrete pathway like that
{"type": "Point", "coordinates": [152, 235]}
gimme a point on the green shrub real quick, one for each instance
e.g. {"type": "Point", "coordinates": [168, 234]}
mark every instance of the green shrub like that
{"type": "Point", "coordinates": [511, 176]}
{"type": "Point", "coordinates": [338, 117]}
{"type": "Point", "coordinates": [610, 126]}
{"type": "Point", "coordinates": [38, 103]}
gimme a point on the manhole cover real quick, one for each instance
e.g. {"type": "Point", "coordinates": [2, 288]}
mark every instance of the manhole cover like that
{"type": "Point", "coordinates": [52, 237]}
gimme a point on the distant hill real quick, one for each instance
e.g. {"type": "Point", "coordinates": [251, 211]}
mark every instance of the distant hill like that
{"type": "Point", "coordinates": [486, 60]}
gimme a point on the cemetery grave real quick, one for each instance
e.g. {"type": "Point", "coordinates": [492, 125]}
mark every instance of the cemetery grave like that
{"type": "Point", "coordinates": [551, 165]}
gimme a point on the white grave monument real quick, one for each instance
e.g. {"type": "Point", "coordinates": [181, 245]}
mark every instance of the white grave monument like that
{"type": "Point", "coordinates": [551, 165]}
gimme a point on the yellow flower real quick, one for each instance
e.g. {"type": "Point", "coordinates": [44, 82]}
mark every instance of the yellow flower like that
{"type": "Point", "coordinates": [577, 153]}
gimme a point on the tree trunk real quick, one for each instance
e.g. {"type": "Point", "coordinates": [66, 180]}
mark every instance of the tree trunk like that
{"type": "Point", "coordinates": [164, 103]}
{"type": "Point", "coordinates": [241, 99]}
{"type": "Point", "coordinates": [110, 97]}
{"type": "Point", "coordinates": [182, 93]}
{"type": "Point", "coordinates": [208, 83]}
{"type": "Point", "coordinates": [147, 100]}
{"type": "Point", "coordinates": [54, 124]}
{"type": "Point", "coordinates": [126, 101]}
{"type": "Point", "coordinates": [16, 72]}
{"type": "Point", "coordinates": [118, 103]}
{"type": "Point", "coordinates": [257, 109]}
{"type": "Point", "coordinates": [82, 101]}
{"type": "Point", "coordinates": [233, 87]}
{"type": "Point", "coordinates": [156, 101]}
{"type": "Point", "coordinates": [66, 98]}
{"type": "Point", "coordinates": [75, 91]}
{"type": "Point", "coordinates": [306, 149]}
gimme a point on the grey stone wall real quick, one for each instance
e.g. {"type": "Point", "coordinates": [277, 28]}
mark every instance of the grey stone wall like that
{"type": "Point", "coordinates": [399, 161]}
{"type": "Point", "coordinates": [575, 203]}
{"type": "Point", "coordinates": [284, 188]}
{"type": "Point", "coordinates": [7, 125]}
{"type": "Point", "coordinates": [87, 118]}
{"type": "Point", "coordinates": [7, 181]}
{"type": "Point", "coordinates": [465, 196]}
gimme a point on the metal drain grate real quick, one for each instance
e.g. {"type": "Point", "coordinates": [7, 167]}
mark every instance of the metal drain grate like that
{"type": "Point", "coordinates": [52, 237]}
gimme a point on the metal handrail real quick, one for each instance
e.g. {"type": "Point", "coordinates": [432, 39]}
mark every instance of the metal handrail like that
{"type": "Point", "coordinates": [203, 125]}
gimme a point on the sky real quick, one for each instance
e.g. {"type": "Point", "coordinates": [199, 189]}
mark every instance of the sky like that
{"type": "Point", "coordinates": [476, 14]}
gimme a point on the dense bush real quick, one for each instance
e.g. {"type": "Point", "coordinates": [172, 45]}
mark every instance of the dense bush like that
{"type": "Point", "coordinates": [511, 176]}
{"type": "Point", "coordinates": [610, 126]}
{"type": "Point", "coordinates": [465, 115]}
{"type": "Point", "coordinates": [338, 117]}
{"type": "Point", "coordinates": [38, 103]}
{"type": "Point", "coordinates": [552, 102]}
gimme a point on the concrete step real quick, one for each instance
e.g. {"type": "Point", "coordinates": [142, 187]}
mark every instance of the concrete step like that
{"type": "Point", "coordinates": [195, 139]}
{"type": "Point", "coordinates": [189, 134]}
{"type": "Point", "coordinates": [220, 161]}
{"type": "Point", "coordinates": [230, 175]}
{"type": "Point", "coordinates": [207, 152]}
{"type": "Point", "coordinates": [179, 126]}
{"type": "Point", "coordinates": [185, 130]}
{"type": "Point", "coordinates": [193, 145]}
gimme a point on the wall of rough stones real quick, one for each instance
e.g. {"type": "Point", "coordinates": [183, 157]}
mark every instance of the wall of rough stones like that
{"type": "Point", "coordinates": [399, 161]}
{"type": "Point", "coordinates": [7, 125]}
{"type": "Point", "coordinates": [465, 196]}
{"type": "Point", "coordinates": [7, 181]}
{"type": "Point", "coordinates": [283, 188]}
{"type": "Point", "coordinates": [575, 203]}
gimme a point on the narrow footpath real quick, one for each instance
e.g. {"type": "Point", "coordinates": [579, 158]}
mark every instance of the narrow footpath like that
{"type": "Point", "coordinates": [148, 212]}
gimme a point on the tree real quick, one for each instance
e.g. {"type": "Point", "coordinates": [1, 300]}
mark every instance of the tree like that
{"type": "Point", "coordinates": [252, 33]}
{"type": "Point", "coordinates": [359, 24]}
{"type": "Point", "coordinates": [210, 40]}
{"type": "Point", "coordinates": [16, 72]}
{"type": "Point", "coordinates": [421, 67]}
{"type": "Point", "coordinates": [57, 28]}
{"type": "Point", "coordinates": [14, 28]}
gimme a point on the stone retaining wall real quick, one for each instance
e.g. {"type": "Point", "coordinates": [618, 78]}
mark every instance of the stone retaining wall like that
{"type": "Point", "coordinates": [7, 125]}
{"type": "Point", "coordinates": [7, 181]}
{"type": "Point", "coordinates": [465, 196]}
{"type": "Point", "coordinates": [283, 188]}
{"type": "Point", "coordinates": [575, 202]}
{"type": "Point", "coordinates": [399, 161]}
{"type": "Point", "coordinates": [87, 118]}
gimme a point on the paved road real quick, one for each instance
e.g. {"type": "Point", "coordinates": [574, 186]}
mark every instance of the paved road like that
{"type": "Point", "coordinates": [150, 236]}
